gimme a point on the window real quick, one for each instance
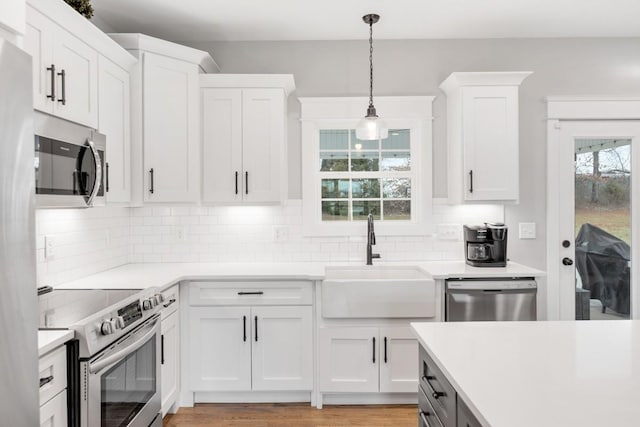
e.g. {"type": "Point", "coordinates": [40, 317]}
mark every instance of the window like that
{"type": "Point", "coordinates": [345, 179]}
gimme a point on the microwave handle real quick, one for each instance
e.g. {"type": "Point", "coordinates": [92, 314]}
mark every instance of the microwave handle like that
{"type": "Point", "coordinates": [121, 354]}
{"type": "Point", "coordinates": [98, 165]}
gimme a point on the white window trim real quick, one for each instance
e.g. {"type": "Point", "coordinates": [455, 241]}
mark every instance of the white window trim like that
{"type": "Point", "coordinates": [402, 112]}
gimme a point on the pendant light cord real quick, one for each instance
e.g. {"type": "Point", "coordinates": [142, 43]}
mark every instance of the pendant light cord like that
{"type": "Point", "coordinates": [370, 64]}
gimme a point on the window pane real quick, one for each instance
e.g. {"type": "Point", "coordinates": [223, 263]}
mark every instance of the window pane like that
{"type": "Point", "coordinates": [399, 139]}
{"type": "Point", "coordinates": [397, 188]}
{"type": "Point", "coordinates": [396, 161]}
{"type": "Point", "coordinates": [335, 211]}
{"type": "Point", "coordinates": [365, 188]}
{"type": "Point", "coordinates": [397, 210]}
{"type": "Point", "coordinates": [359, 144]}
{"type": "Point", "coordinates": [364, 161]}
{"type": "Point", "coordinates": [362, 208]}
{"type": "Point", "coordinates": [335, 188]}
{"type": "Point", "coordinates": [334, 161]}
{"type": "Point", "coordinates": [334, 139]}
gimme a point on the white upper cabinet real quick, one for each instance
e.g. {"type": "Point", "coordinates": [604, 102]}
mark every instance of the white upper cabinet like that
{"type": "Point", "coordinates": [165, 119]}
{"type": "Point", "coordinates": [244, 120]}
{"type": "Point", "coordinates": [114, 117]}
{"type": "Point", "coordinates": [65, 71]}
{"type": "Point", "coordinates": [12, 16]}
{"type": "Point", "coordinates": [482, 136]}
{"type": "Point", "coordinates": [170, 129]}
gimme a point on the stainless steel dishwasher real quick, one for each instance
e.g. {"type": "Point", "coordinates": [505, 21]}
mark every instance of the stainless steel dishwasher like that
{"type": "Point", "coordinates": [490, 299]}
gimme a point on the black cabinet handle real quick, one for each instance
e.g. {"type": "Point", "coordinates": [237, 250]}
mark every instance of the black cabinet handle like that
{"type": "Point", "coordinates": [424, 415]}
{"type": "Point", "coordinates": [374, 350]}
{"type": "Point", "coordinates": [151, 176]}
{"type": "Point", "coordinates": [251, 293]}
{"type": "Point", "coordinates": [256, 324]}
{"type": "Point", "coordinates": [471, 181]}
{"type": "Point", "coordinates": [107, 176]}
{"type": "Point", "coordinates": [171, 301]}
{"type": "Point", "coordinates": [53, 82]}
{"type": "Point", "coordinates": [436, 394]}
{"type": "Point", "coordinates": [385, 349]}
{"type": "Point", "coordinates": [244, 328]}
{"type": "Point", "coordinates": [236, 182]}
{"type": "Point", "coordinates": [63, 74]}
{"type": "Point", "coordinates": [162, 349]}
{"type": "Point", "coordinates": [246, 182]}
{"type": "Point", "coordinates": [46, 380]}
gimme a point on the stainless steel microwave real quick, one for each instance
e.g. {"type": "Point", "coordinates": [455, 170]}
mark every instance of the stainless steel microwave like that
{"type": "Point", "coordinates": [69, 164]}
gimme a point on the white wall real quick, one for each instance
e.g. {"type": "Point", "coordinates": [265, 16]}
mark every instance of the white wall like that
{"type": "Point", "coordinates": [416, 67]}
{"type": "Point", "coordinates": [85, 241]}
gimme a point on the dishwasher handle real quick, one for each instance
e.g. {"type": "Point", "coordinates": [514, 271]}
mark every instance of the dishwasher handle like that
{"type": "Point", "coordinates": [491, 285]}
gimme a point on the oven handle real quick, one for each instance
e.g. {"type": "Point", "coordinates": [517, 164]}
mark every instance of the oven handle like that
{"type": "Point", "coordinates": [98, 165]}
{"type": "Point", "coordinates": [121, 354]}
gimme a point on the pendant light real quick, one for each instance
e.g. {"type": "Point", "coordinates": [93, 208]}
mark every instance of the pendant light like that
{"type": "Point", "coordinates": [371, 127]}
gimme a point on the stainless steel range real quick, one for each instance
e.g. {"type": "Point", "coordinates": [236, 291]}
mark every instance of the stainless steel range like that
{"type": "Point", "coordinates": [119, 352]}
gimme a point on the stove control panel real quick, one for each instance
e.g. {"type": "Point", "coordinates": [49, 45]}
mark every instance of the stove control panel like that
{"type": "Point", "coordinates": [129, 314]}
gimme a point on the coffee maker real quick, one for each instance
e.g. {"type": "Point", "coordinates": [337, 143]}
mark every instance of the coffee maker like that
{"type": "Point", "coordinates": [486, 245]}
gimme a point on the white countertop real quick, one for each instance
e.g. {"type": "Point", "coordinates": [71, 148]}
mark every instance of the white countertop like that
{"type": "Point", "coordinates": [50, 339]}
{"type": "Point", "coordinates": [533, 374]}
{"type": "Point", "coordinates": [142, 276]}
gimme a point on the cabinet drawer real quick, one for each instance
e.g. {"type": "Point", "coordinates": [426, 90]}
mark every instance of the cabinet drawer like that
{"type": "Point", "coordinates": [54, 412]}
{"type": "Point", "coordinates": [465, 417]}
{"type": "Point", "coordinates": [426, 414]}
{"type": "Point", "coordinates": [53, 373]}
{"type": "Point", "coordinates": [250, 293]}
{"type": "Point", "coordinates": [171, 300]}
{"type": "Point", "coordinates": [439, 392]}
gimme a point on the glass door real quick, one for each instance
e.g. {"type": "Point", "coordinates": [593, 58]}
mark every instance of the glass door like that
{"type": "Point", "coordinates": [602, 200]}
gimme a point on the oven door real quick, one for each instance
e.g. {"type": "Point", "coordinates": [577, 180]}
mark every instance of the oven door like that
{"type": "Point", "coordinates": [124, 381]}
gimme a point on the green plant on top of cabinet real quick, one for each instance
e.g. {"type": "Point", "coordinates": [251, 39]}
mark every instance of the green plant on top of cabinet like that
{"type": "Point", "coordinates": [482, 136]}
{"type": "Point", "coordinates": [244, 120]}
{"type": "Point", "coordinates": [65, 71]}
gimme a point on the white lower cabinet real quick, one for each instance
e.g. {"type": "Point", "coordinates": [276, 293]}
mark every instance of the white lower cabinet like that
{"type": "Point", "coordinates": [169, 371]}
{"type": "Point", "coordinates": [368, 359]}
{"type": "Point", "coordinates": [54, 412]}
{"type": "Point", "coordinates": [52, 369]}
{"type": "Point", "coordinates": [251, 348]}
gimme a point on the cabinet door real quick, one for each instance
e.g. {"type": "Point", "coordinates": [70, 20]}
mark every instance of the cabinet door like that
{"type": "Point", "coordinates": [465, 417]}
{"type": "Point", "coordinates": [170, 128]}
{"type": "Point", "coordinates": [76, 79]}
{"type": "Point", "coordinates": [38, 42]}
{"type": "Point", "coordinates": [169, 360]}
{"type": "Point", "coordinates": [114, 121]}
{"type": "Point", "coordinates": [282, 355]}
{"type": "Point", "coordinates": [222, 145]}
{"type": "Point", "coordinates": [349, 359]}
{"type": "Point", "coordinates": [490, 135]}
{"type": "Point", "coordinates": [220, 348]}
{"type": "Point", "coordinates": [398, 360]}
{"type": "Point", "coordinates": [263, 143]}
{"type": "Point", "coordinates": [54, 412]}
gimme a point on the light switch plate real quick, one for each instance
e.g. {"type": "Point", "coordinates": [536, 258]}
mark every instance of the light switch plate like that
{"type": "Point", "coordinates": [280, 233]}
{"type": "Point", "coordinates": [449, 231]}
{"type": "Point", "coordinates": [527, 230]}
{"type": "Point", "coordinates": [49, 247]}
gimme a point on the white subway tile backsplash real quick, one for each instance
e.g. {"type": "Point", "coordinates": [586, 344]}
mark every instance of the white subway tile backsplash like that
{"type": "Point", "coordinates": [92, 240]}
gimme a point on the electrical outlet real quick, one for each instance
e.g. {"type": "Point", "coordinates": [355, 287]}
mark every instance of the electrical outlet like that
{"type": "Point", "coordinates": [280, 233]}
{"type": "Point", "coordinates": [527, 230]}
{"type": "Point", "coordinates": [49, 247]}
{"type": "Point", "coordinates": [180, 234]}
{"type": "Point", "coordinates": [107, 238]}
{"type": "Point", "coordinates": [449, 231]}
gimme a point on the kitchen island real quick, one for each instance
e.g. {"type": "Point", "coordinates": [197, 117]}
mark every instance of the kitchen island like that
{"type": "Point", "coordinates": [551, 374]}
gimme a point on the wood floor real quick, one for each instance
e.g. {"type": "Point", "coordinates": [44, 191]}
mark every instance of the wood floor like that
{"type": "Point", "coordinates": [293, 415]}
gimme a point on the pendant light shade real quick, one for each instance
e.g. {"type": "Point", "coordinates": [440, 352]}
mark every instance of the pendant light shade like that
{"type": "Point", "coordinates": [371, 127]}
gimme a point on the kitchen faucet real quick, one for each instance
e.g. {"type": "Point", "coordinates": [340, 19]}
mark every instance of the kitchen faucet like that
{"type": "Point", "coordinates": [371, 240]}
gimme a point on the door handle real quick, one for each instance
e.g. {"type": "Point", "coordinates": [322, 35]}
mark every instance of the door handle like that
{"type": "Point", "coordinates": [244, 328]}
{"type": "Point", "coordinates": [162, 349]}
{"type": "Point", "coordinates": [151, 182]}
{"type": "Point", "coordinates": [256, 324]}
{"type": "Point", "coordinates": [567, 261]}
{"type": "Point", "coordinates": [46, 380]}
{"type": "Point", "coordinates": [236, 182]}
{"type": "Point", "coordinates": [53, 82]}
{"type": "Point", "coordinates": [107, 177]}
{"type": "Point", "coordinates": [63, 74]}
{"type": "Point", "coordinates": [251, 293]}
{"type": "Point", "coordinates": [374, 350]}
{"type": "Point", "coordinates": [98, 169]}
{"type": "Point", "coordinates": [471, 181]}
{"type": "Point", "coordinates": [385, 349]}
{"type": "Point", "coordinates": [246, 182]}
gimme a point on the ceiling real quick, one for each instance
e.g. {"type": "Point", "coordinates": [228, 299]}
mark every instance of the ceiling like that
{"type": "Point", "coordinates": [235, 20]}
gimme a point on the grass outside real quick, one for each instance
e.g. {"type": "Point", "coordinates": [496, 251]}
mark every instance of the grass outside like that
{"type": "Point", "coordinates": [613, 221]}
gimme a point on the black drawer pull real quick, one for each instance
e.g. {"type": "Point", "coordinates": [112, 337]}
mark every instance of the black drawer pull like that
{"type": "Point", "coordinates": [162, 349]}
{"type": "Point", "coordinates": [53, 82]}
{"type": "Point", "coordinates": [374, 350]}
{"type": "Point", "coordinates": [471, 181]}
{"type": "Point", "coordinates": [236, 182]}
{"type": "Point", "coordinates": [256, 322]}
{"type": "Point", "coordinates": [171, 301]}
{"type": "Point", "coordinates": [424, 415]}
{"type": "Point", "coordinates": [251, 293]}
{"type": "Point", "coordinates": [151, 180]}
{"type": "Point", "coordinates": [246, 182]}
{"type": "Point", "coordinates": [244, 328]}
{"type": "Point", "coordinates": [63, 74]}
{"type": "Point", "coordinates": [438, 394]}
{"type": "Point", "coordinates": [46, 380]}
{"type": "Point", "coordinates": [385, 349]}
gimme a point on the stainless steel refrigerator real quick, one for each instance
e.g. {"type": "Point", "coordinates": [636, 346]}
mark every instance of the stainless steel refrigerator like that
{"type": "Point", "coordinates": [19, 404]}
